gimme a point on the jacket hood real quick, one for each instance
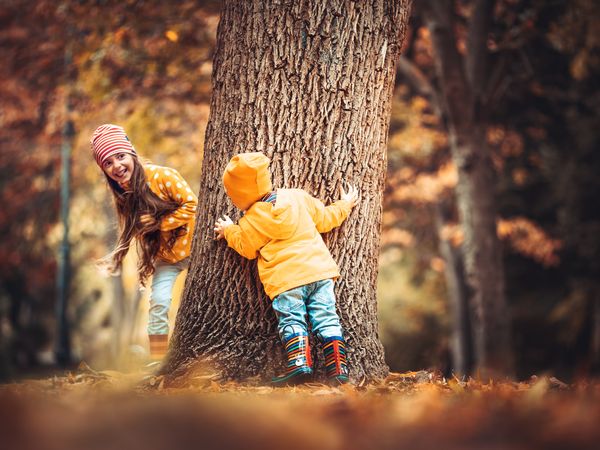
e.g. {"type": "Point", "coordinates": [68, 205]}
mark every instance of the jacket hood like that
{"type": "Point", "coordinates": [247, 178]}
{"type": "Point", "coordinates": [278, 221]}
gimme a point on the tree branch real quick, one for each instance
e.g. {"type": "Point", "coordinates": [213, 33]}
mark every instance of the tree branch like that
{"type": "Point", "coordinates": [449, 63]}
{"type": "Point", "coordinates": [477, 51]}
{"type": "Point", "coordinates": [410, 73]}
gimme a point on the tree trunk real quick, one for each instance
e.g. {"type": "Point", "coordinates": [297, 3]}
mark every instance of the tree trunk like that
{"type": "Point", "coordinates": [310, 85]}
{"type": "Point", "coordinates": [464, 103]}
{"type": "Point", "coordinates": [595, 344]}
{"type": "Point", "coordinates": [118, 310]}
{"type": "Point", "coordinates": [483, 255]}
{"type": "Point", "coordinates": [458, 297]}
{"type": "Point", "coordinates": [117, 317]}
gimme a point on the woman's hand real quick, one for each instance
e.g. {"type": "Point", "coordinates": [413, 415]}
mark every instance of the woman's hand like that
{"type": "Point", "coordinates": [220, 226]}
{"type": "Point", "coordinates": [149, 222]}
{"type": "Point", "coordinates": [351, 196]}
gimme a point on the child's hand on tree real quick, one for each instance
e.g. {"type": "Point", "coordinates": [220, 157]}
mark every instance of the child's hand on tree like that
{"type": "Point", "coordinates": [220, 226]}
{"type": "Point", "coordinates": [351, 196]}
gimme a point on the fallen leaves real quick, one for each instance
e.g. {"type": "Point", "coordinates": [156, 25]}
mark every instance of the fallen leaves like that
{"type": "Point", "coordinates": [417, 410]}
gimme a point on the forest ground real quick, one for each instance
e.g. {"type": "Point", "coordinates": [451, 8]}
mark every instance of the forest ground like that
{"type": "Point", "coordinates": [88, 409]}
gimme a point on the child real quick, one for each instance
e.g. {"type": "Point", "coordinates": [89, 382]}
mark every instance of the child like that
{"type": "Point", "coordinates": [156, 206]}
{"type": "Point", "coordinates": [282, 229]}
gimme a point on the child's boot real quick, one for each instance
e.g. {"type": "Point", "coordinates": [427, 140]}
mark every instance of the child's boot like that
{"type": "Point", "coordinates": [299, 363]}
{"type": "Point", "coordinates": [336, 366]}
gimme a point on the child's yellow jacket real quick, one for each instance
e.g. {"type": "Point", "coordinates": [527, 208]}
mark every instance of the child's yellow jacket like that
{"type": "Point", "coordinates": [286, 239]}
{"type": "Point", "coordinates": [167, 184]}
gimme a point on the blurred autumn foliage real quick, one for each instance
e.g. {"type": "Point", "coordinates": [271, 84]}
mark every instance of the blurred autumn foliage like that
{"type": "Point", "coordinates": [147, 66]}
{"type": "Point", "coordinates": [144, 65]}
{"type": "Point", "coordinates": [543, 132]}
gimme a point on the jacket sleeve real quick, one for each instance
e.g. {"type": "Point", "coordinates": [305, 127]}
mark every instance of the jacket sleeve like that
{"type": "Point", "coordinates": [327, 217]}
{"type": "Point", "coordinates": [172, 184]}
{"type": "Point", "coordinates": [245, 239]}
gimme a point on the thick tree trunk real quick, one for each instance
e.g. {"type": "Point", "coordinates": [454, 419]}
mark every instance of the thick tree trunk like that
{"type": "Point", "coordinates": [309, 84]}
{"type": "Point", "coordinates": [464, 103]}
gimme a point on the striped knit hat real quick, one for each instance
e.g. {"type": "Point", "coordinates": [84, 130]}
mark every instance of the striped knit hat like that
{"type": "Point", "coordinates": [108, 140]}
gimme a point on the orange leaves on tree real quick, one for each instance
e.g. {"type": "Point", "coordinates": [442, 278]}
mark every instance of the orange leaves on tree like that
{"type": "Point", "coordinates": [509, 143]}
{"type": "Point", "coordinates": [452, 232]}
{"type": "Point", "coordinates": [423, 48]}
{"type": "Point", "coordinates": [120, 35]}
{"type": "Point", "coordinates": [427, 188]}
{"type": "Point", "coordinates": [438, 264]}
{"type": "Point", "coordinates": [530, 240]}
{"type": "Point", "coordinates": [172, 35]}
{"type": "Point", "coordinates": [398, 236]}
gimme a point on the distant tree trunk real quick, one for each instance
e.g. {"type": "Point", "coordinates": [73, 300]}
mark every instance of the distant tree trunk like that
{"type": "Point", "coordinates": [458, 297]}
{"type": "Point", "coordinates": [310, 85]}
{"type": "Point", "coordinates": [118, 310]}
{"type": "Point", "coordinates": [462, 85]}
{"type": "Point", "coordinates": [133, 314]}
{"type": "Point", "coordinates": [454, 271]}
{"type": "Point", "coordinates": [595, 347]}
{"type": "Point", "coordinates": [117, 316]}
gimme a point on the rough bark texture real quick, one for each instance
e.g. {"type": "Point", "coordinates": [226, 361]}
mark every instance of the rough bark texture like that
{"type": "Point", "coordinates": [462, 84]}
{"type": "Point", "coordinates": [309, 84]}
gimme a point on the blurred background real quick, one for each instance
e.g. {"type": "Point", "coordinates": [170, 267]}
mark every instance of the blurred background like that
{"type": "Point", "coordinates": [69, 66]}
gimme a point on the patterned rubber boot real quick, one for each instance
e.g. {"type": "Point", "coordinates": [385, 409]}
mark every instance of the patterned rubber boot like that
{"type": "Point", "coordinates": [336, 366]}
{"type": "Point", "coordinates": [299, 363]}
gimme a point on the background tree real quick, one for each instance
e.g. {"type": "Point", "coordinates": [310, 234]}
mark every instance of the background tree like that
{"type": "Point", "coordinates": [542, 110]}
{"type": "Point", "coordinates": [310, 85]}
{"type": "Point", "coordinates": [463, 84]}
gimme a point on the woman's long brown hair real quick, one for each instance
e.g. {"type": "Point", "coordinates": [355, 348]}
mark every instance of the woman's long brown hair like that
{"type": "Point", "coordinates": [131, 203]}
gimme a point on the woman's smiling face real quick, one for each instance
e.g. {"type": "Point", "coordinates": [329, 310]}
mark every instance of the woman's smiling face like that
{"type": "Point", "coordinates": [119, 167]}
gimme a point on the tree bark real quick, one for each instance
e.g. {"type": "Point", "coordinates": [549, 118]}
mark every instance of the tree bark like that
{"type": "Point", "coordinates": [464, 103]}
{"type": "Point", "coordinates": [310, 85]}
{"type": "Point", "coordinates": [461, 342]}
{"type": "Point", "coordinates": [595, 345]}
{"type": "Point", "coordinates": [118, 310]}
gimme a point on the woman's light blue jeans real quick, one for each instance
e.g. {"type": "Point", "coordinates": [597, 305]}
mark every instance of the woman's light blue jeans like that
{"type": "Point", "coordinates": [163, 280]}
{"type": "Point", "coordinates": [315, 300]}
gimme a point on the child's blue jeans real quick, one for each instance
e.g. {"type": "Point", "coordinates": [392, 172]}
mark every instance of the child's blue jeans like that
{"type": "Point", "coordinates": [315, 300]}
{"type": "Point", "coordinates": [161, 294]}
